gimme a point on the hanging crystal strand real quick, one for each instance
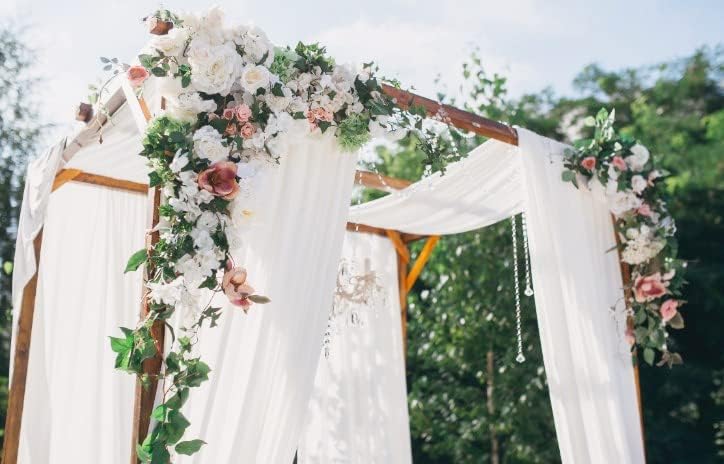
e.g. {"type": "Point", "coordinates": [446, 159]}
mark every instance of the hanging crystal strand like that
{"type": "Point", "coordinates": [516, 281]}
{"type": "Point", "coordinates": [327, 338]}
{"type": "Point", "coordinates": [528, 288]}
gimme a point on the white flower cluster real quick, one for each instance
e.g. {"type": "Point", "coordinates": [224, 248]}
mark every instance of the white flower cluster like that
{"type": "Point", "coordinates": [641, 245]}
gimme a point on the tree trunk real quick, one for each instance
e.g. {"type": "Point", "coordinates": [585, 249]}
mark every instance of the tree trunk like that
{"type": "Point", "coordinates": [494, 445]}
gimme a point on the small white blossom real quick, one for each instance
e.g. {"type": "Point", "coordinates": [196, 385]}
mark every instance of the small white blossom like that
{"type": "Point", "coordinates": [208, 145]}
{"type": "Point", "coordinates": [638, 158]}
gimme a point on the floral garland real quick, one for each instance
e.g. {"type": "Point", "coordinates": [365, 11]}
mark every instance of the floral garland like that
{"type": "Point", "coordinates": [229, 95]}
{"type": "Point", "coordinates": [624, 170]}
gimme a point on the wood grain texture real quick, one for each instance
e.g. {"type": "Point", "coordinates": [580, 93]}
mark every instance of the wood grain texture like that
{"type": "Point", "coordinates": [21, 358]}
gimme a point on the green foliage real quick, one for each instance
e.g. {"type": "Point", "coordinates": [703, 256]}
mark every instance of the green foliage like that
{"type": "Point", "coordinates": [353, 132]}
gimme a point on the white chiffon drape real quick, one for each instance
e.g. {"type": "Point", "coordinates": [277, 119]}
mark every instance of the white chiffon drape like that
{"type": "Point", "coordinates": [77, 407]}
{"type": "Point", "coordinates": [358, 412]}
{"type": "Point", "coordinates": [577, 279]}
{"type": "Point", "coordinates": [253, 407]}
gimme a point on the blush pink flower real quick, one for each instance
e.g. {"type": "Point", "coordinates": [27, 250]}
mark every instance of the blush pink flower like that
{"type": "Point", "coordinates": [619, 163]}
{"type": "Point", "coordinates": [248, 130]}
{"type": "Point", "coordinates": [243, 112]}
{"type": "Point", "coordinates": [649, 288]}
{"type": "Point", "coordinates": [589, 163]}
{"type": "Point", "coordinates": [668, 310]}
{"type": "Point", "coordinates": [236, 289]}
{"type": "Point", "coordinates": [231, 130]}
{"type": "Point", "coordinates": [645, 210]}
{"type": "Point", "coordinates": [220, 180]}
{"type": "Point", "coordinates": [229, 113]}
{"type": "Point", "coordinates": [137, 75]}
{"type": "Point", "coordinates": [630, 337]}
{"type": "Point", "coordinates": [323, 115]}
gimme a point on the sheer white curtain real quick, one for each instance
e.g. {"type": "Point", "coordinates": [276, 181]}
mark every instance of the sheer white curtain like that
{"type": "Point", "coordinates": [577, 280]}
{"type": "Point", "coordinates": [358, 412]}
{"type": "Point", "coordinates": [252, 409]}
{"type": "Point", "coordinates": [77, 408]}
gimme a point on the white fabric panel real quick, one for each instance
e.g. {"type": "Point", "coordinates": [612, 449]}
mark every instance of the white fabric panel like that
{"type": "Point", "coordinates": [576, 281]}
{"type": "Point", "coordinates": [475, 192]}
{"type": "Point", "coordinates": [38, 184]}
{"type": "Point", "coordinates": [263, 364]}
{"type": "Point", "coordinates": [77, 407]}
{"type": "Point", "coordinates": [118, 155]}
{"type": "Point", "coordinates": [358, 412]}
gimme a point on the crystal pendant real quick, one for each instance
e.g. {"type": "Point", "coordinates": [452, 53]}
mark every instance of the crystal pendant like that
{"type": "Point", "coordinates": [520, 358]}
{"type": "Point", "coordinates": [528, 291]}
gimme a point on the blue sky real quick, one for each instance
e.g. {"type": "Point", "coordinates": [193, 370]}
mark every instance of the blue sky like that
{"type": "Point", "coordinates": [536, 43]}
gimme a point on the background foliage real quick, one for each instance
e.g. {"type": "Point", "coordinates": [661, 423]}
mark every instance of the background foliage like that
{"type": "Point", "coordinates": [470, 402]}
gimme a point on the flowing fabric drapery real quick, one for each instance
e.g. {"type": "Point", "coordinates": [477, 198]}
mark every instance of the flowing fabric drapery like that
{"type": "Point", "coordinates": [358, 412]}
{"type": "Point", "coordinates": [252, 409]}
{"type": "Point", "coordinates": [577, 280]}
{"type": "Point", "coordinates": [77, 407]}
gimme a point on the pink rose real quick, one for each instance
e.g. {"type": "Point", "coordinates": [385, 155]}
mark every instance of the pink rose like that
{"type": "Point", "coordinates": [589, 163]}
{"type": "Point", "coordinates": [137, 75]}
{"type": "Point", "coordinates": [645, 210]}
{"type": "Point", "coordinates": [248, 130]}
{"type": "Point", "coordinates": [243, 112]}
{"type": "Point", "coordinates": [236, 289]}
{"type": "Point", "coordinates": [231, 130]}
{"type": "Point", "coordinates": [220, 180]}
{"type": "Point", "coordinates": [228, 113]}
{"type": "Point", "coordinates": [630, 337]}
{"type": "Point", "coordinates": [619, 163]}
{"type": "Point", "coordinates": [668, 309]}
{"type": "Point", "coordinates": [323, 115]}
{"type": "Point", "coordinates": [649, 287]}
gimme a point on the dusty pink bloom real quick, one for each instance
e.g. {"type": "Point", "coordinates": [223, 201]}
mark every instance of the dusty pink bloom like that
{"type": "Point", "coordinates": [220, 180]}
{"type": "Point", "coordinates": [630, 337]}
{"type": "Point", "coordinates": [236, 289]}
{"type": "Point", "coordinates": [212, 116]}
{"type": "Point", "coordinates": [243, 112]}
{"type": "Point", "coordinates": [645, 210]}
{"type": "Point", "coordinates": [668, 310]}
{"type": "Point", "coordinates": [248, 130]}
{"type": "Point", "coordinates": [619, 163]}
{"type": "Point", "coordinates": [231, 130]}
{"type": "Point", "coordinates": [649, 287]}
{"type": "Point", "coordinates": [323, 115]}
{"type": "Point", "coordinates": [228, 113]}
{"type": "Point", "coordinates": [137, 75]}
{"type": "Point", "coordinates": [589, 163]}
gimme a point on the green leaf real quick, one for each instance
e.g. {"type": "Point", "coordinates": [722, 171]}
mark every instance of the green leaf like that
{"type": "Point", "coordinates": [677, 322]}
{"type": "Point", "coordinates": [143, 454]}
{"type": "Point", "coordinates": [649, 356]}
{"type": "Point", "coordinates": [158, 71]}
{"type": "Point", "coordinates": [159, 412]}
{"type": "Point", "coordinates": [179, 399]}
{"type": "Point", "coordinates": [8, 267]}
{"type": "Point", "coordinates": [189, 447]}
{"type": "Point", "coordinates": [136, 259]}
{"type": "Point", "coordinates": [176, 426]}
{"type": "Point", "coordinates": [260, 299]}
{"type": "Point", "coordinates": [568, 176]}
{"type": "Point", "coordinates": [185, 80]}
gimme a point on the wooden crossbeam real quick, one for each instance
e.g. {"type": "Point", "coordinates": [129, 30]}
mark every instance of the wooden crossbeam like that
{"type": "Point", "coordinates": [76, 175]}
{"type": "Point", "coordinates": [421, 261]}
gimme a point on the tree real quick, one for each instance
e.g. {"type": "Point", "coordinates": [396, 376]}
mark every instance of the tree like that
{"type": "Point", "coordinates": [19, 131]}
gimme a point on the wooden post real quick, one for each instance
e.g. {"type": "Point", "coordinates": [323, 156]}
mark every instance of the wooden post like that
{"type": "Point", "coordinates": [145, 397]}
{"type": "Point", "coordinates": [16, 396]}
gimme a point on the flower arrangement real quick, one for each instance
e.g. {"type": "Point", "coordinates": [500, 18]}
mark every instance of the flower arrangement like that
{"type": "Point", "coordinates": [230, 96]}
{"type": "Point", "coordinates": [624, 172]}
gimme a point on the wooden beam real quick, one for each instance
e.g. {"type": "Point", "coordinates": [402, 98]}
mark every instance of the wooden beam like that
{"type": "Point", "coordinates": [145, 397]}
{"type": "Point", "coordinates": [401, 274]}
{"type": "Point", "coordinates": [76, 175]}
{"type": "Point", "coordinates": [381, 182]}
{"type": "Point", "coordinates": [453, 116]}
{"type": "Point", "coordinates": [400, 246]}
{"type": "Point", "coordinates": [21, 358]}
{"type": "Point", "coordinates": [421, 261]}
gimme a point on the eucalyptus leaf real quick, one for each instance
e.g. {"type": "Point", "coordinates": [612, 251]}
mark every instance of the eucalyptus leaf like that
{"type": "Point", "coordinates": [136, 259]}
{"type": "Point", "coordinates": [189, 447]}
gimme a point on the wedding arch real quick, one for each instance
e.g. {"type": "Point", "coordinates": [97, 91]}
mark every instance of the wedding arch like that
{"type": "Point", "coordinates": [93, 199]}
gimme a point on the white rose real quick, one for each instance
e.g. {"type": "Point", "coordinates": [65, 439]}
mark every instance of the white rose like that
{"type": "Point", "coordinates": [188, 105]}
{"type": "Point", "coordinates": [180, 160]}
{"type": "Point", "coordinates": [638, 183]}
{"type": "Point", "coordinates": [638, 158]}
{"type": "Point", "coordinates": [621, 202]}
{"type": "Point", "coordinates": [214, 68]}
{"type": "Point", "coordinates": [171, 44]}
{"type": "Point", "coordinates": [208, 145]}
{"type": "Point", "coordinates": [257, 47]}
{"type": "Point", "coordinates": [254, 77]}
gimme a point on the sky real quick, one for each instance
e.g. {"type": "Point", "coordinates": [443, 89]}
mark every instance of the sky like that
{"type": "Point", "coordinates": [535, 43]}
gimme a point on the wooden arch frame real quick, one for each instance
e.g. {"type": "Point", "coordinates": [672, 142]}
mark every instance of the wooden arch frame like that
{"type": "Point", "coordinates": [141, 114]}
